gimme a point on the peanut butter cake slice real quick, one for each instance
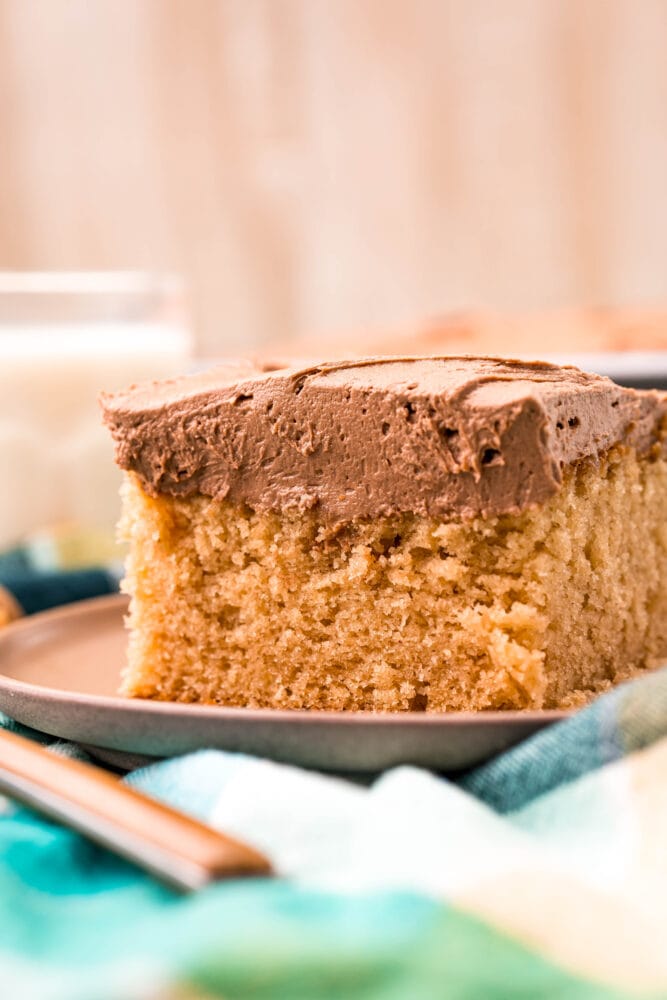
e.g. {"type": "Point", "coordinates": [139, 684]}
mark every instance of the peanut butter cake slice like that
{"type": "Point", "coordinates": [392, 533]}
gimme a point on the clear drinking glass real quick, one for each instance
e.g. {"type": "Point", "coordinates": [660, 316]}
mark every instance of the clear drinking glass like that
{"type": "Point", "coordinates": [64, 337]}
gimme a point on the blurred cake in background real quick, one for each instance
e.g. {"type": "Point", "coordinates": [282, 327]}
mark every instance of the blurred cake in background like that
{"type": "Point", "coordinates": [585, 330]}
{"type": "Point", "coordinates": [626, 344]}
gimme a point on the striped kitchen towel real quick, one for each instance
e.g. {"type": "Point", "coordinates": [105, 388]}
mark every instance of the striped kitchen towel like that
{"type": "Point", "coordinates": [542, 873]}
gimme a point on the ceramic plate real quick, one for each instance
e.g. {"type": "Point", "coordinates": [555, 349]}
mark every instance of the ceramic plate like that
{"type": "Point", "coordinates": [59, 673]}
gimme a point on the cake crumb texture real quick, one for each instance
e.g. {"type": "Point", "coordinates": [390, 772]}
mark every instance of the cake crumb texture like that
{"type": "Point", "coordinates": [541, 609]}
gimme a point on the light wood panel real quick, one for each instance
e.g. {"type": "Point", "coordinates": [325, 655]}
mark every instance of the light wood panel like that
{"type": "Point", "coordinates": [317, 164]}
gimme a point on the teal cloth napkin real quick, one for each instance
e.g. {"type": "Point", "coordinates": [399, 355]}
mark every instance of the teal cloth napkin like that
{"type": "Point", "coordinates": [540, 874]}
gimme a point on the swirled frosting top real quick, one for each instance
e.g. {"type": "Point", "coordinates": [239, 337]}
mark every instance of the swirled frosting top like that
{"type": "Point", "coordinates": [443, 436]}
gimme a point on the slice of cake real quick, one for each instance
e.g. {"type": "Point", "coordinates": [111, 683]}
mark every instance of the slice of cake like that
{"type": "Point", "coordinates": [392, 534]}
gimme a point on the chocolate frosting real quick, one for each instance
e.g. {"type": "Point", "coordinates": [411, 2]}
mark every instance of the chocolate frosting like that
{"type": "Point", "coordinates": [441, 436]}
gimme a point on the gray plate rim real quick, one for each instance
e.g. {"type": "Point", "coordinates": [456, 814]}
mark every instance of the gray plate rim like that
{"type": "Point", "coordinates": [343, 741]}
{"type": "Point", "coordinates": [304, 716]}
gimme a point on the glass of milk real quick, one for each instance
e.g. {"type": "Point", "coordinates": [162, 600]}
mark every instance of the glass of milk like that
{"type": "Point", "coordinates": [65, 337]}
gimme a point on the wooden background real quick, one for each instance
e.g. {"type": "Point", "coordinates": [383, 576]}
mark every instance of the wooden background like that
{"type": "Point", "coordinates": [310, 165]}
